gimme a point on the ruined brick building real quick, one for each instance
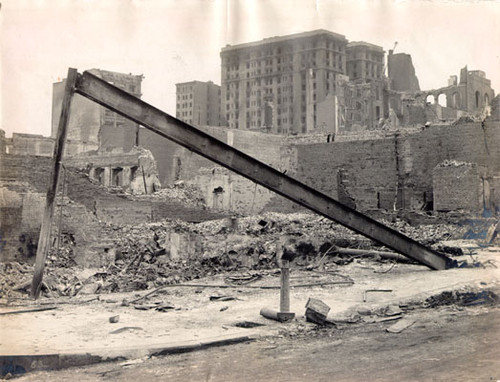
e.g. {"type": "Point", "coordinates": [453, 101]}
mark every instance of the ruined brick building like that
{"type": "Point", "coordinates": [471, 94]}
{"type": "Point", "coordinates": [336, 123]}
{"type": "Point", "coordinates": [302, 83]}
{"type": "Point", "coordinates": [91, 126]}
{"type": "Point", "coordinates": [317, 82]}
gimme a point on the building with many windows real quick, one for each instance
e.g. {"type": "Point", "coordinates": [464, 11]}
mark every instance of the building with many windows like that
{"type": "Point", "coordinates": [278, 82]}
{"type": "Point", "coordinates": [364, 93]}
{"type": "Point", "coordinates": [198, 103]}
{"type": "Point", "coordinates": [364, 61]}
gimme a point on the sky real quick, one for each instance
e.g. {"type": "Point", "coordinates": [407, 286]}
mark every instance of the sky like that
{"type": "Point", "coordinates": [172, 41]}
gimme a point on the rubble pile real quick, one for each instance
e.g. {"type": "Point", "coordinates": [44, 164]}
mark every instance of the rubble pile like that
{"type": "Point", "coordinates": [145, 258]}
{"type": "Point", "coordinates": [462, 298]}
{"type": "Point", "coordinates": [13, 275]}
{"type": "Point", "coordinates": [152, 255]}
{"type": "Point", "coordinates": [188, 195]}
{"type": "Point", "coordinates": [429, 234]}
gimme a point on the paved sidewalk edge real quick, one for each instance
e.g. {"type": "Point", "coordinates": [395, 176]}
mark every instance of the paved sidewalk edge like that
{"type": "Point", "coordinates": [20, 364]}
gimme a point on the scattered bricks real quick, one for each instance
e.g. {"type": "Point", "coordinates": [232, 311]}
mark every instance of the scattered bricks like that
{"type": "Point", "coordinates": [114, 319]}
{"type": "Point", "coordinates": [317, 311]}
{"type": "Point", "coordinates": [392, 310]}
{"type": "Point", "coordinates": [364, 311]}
{"type": "Point", "coordinates": [90, 288]}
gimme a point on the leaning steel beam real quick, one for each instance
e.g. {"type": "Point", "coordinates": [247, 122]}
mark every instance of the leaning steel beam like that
{"type": "Point", "coordinates": [201, 143]}
{"type": "Point", "coordinates": [48, 213]}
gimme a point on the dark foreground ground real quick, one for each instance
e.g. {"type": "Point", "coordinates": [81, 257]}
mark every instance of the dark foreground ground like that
{"type": "Point", "coordinates": [445, 344]}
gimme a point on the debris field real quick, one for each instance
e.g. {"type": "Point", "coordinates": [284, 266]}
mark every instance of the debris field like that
{"type": "Point", "coordinates": [141, 257]}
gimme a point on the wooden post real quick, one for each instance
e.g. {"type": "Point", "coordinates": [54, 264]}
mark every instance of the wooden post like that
{"type": "Point", "coordinates": [44, 239]}
{"type": "Point", "coordinates": [59, 223]}
{"type": "Point", "coordinates": [144, 180]}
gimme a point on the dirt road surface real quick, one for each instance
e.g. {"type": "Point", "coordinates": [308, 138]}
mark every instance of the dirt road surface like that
{"type": "Point", "coordinates": [445, 344]}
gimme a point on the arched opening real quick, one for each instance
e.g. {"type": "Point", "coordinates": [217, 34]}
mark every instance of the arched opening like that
{"type": "Point", "coordinates": [486, 99]}
{"type": "Point", "coordinates": [99, 175]}
{"type": "Point", "coordinates": [218, 201]}
{"type": "Point", "coordinates": [430, 99]}
{"type": "Point", "coordinates": [393, 104]}
{"type": "Point", "coordinates": [477, 99]}
{"type": "Point", "coordinates": [133, 172]}
{"type": "Point", "coordinates": [455, 100]}
{"type": "Point", "coordinates": [117, 177]}
{"type": "Point", "coordinates": [442, 100]}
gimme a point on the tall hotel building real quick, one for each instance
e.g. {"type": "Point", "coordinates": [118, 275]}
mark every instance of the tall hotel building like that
{"type": "Point", "coordinates": [278, 82]}
{"type": "Point", "coordinates": [364, 95]}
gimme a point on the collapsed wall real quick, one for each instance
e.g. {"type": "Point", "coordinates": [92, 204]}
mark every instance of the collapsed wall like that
{"type": "Point", "coordinates": [82, 208]}
{"type": "Point", "coordinates": [221, 188]}
{"type": "Point", "coordinates": [386, 172]}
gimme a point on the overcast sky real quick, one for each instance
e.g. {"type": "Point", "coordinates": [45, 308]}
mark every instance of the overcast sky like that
{"type": "Point", "coordinates": [172, 41]}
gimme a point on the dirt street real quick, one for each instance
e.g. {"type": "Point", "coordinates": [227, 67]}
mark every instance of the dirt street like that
{"type": "Point", "coordinates": [445, 344]}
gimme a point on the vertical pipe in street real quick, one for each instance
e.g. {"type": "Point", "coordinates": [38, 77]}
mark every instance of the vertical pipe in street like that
{"type": "Point", "coordinates": [44, 239]}
{"type": "Point", "coordinates": [285, 287]}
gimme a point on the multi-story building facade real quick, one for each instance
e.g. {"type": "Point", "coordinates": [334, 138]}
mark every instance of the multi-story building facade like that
{"type": "Point", "coordinates": [364, 98]}
{"type": "Point", "coordinates": [93, 127]}
{"type": "Point", "coordinates": [198, 103]}
{"type": "Point", "coordinates": [278, 82]}
{"type": "Point", "coordinates": [364, 61]}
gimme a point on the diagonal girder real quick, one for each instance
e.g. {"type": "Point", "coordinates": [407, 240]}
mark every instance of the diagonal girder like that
{"type": "Point", "coordinates": [123, 103]}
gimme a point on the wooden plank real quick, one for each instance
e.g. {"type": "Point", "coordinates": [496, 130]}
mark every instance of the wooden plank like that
{"type": "Point", "coordinates": [201, 143]}
{"type": "Point", "coordinates": [44, 239]}
{"type": "Point", "coordinates": [42, 309]}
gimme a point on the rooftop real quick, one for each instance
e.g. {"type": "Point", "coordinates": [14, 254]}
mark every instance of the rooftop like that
{"type": "Point", "coordinates": [275, 39]}
{"type": "Point", "coordinates": [354, 44]}
{"type": "Point", "coordinates": [195, 82]}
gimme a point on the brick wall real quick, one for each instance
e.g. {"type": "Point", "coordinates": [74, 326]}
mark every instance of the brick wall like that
{"type": "Point", "coordinates": [123, 137]}
{"type": "Point", "coordinates": [457, 186]}
{"type": "Point", "coordinates": [494, 196]}
{"type": "Point", "coordinates": [31, 169]}
{"type": "Point", "coordinates": [395, 170]}
{"type": "Point", "coordinates": [469, 143]}
{"type": "Point", "coordinates": [367, 167]}
{"type": "Point", "coordinates": [20, 223]}
{"type": "Point", "coordinates": [239, 194]}
{"type": "Point", "coordinates": [164, 151]}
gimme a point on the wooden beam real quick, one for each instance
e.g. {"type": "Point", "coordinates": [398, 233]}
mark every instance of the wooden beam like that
{"type": "Point", "coordinates": [44, 239]}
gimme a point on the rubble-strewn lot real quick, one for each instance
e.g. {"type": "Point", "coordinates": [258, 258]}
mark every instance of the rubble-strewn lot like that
{"type": "Point", "coordinates": [146, 256]}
